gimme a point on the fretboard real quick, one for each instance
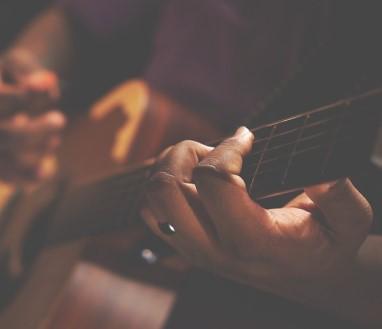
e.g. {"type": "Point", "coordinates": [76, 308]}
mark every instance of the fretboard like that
{"type": "Point", "coordinates": [320, 145]}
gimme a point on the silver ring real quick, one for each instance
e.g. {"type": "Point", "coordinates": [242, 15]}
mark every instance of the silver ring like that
{"type": "Point", "coordinates": [167, 228]}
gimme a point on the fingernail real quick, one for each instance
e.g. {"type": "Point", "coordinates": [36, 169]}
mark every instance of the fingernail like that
{"type": "Point", "coordinates": [333, 184]}
{"type": "Point", "coordinates": [56, 118]}
{"type": "Point", "coordinates": [243, 132]}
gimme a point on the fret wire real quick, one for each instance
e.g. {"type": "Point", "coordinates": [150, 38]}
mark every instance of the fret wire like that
{"type": "Point", "coordinates": [291, 143]}
{"type": "Point", "coordinates": [128, 181]}
{"type": "Point", "coordinates": [261, 157]}
{"type": "Point", "coordinates": [328, 154]}
{"type": "Point", "coordinates": [324, 133]}
{"type": "Point", "coordinates": [297, 153]}
{"type": "Point", "coordinates": [268, 161]}
{"type": "Point", "coordinates": [292, 154]}
{"type": "Point", "coordinates": [127, 189]}
{"type": "Point", "coordinates": [292, 130]}
{"type": "Point", "coordinates": [336, 106]}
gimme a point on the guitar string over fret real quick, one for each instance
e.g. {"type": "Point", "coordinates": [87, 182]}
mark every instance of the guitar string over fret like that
{"type": "Point", "coordinates": [287, 155]}
{"type": "Point", "coordinates": [313, 146]}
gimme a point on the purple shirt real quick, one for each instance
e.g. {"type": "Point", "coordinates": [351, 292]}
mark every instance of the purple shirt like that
{"type": "Point", "coordinates": [222, 57]}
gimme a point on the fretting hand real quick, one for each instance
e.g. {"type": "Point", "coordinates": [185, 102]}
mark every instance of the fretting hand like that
{"type": "Point", "coordinates": [300, 251]}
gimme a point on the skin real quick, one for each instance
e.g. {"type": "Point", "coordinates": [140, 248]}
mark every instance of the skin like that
{"type": "Point", "coordinates": [315, 250]}
{"type": "Point", "coordinates": [30, 123]}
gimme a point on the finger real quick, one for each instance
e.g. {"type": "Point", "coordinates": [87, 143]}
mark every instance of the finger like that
{"type": "Point", "coordinates": [12, 100]}
{"type": "Point", "coordinates": [168, 204]}
{"type": "Point", "coordinates": [50, 121]}
{"type": "Point", "coordinates": [42, 81]}
{"type": "Point", "coordinates": [23, 134]}
{"type": "Point", "coordinates": [181, 159]}
{"type": "Point", "coordinates": [302, 201]}
{"type": "Point", "coordinates": [169, 193]}
{"type": "Point", "coordinates": [152, 222]}
{"type": "Point", "coordinates": [227, 158]}
{"type": "Point", "coordinates": [222, 191]}
{"type": "Point", "coordinates": [347, 212]}
{"type": "Point", "coordinates": [194, 251]}
{"type": "Point", "coordinates": [23, 126]}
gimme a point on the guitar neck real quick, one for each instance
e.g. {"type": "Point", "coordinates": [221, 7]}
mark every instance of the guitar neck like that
{"type": "Point", "coordinates": [108, 205]}
{"type": "Point", "coordinates": [320, 145]}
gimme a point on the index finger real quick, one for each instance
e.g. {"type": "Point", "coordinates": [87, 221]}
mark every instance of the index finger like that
{"type": "Point", "coordinates": [223, 192]}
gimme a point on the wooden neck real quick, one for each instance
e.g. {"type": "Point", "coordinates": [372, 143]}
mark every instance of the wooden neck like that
{"type": "Point", "coordinates": [319, 145]}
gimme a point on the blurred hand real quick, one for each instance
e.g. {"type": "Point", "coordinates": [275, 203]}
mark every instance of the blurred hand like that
{"type": "Point", "coordinates": [30, 126]}
{"type": "Point", "coordinates": [25, 142]}
{"type": "Point", "coordinates": [301, 251]}
{"type": "Point", "coordinates": [25, 85]}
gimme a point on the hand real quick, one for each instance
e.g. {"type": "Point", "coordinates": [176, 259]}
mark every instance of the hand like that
{"type": "Point", "coordinates": [25, 140]}
{"type": "Point", "coordinates": [25, 85]}
{"type": "Point", "coordinates": [300, 251]}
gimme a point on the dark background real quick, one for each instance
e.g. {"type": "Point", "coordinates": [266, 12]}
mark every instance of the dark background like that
{"type": "Point", "coordinates": [14, 14]}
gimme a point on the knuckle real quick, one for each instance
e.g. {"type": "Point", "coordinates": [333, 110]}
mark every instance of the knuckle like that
{"type": "Point", "coordinates": [207, 168]}
{"type": "Point", "coordinates": [186, 144]}
{"type": "Point", "coordinates": [160, 181]}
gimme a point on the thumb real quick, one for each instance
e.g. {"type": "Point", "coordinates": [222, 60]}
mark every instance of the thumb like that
{"type": "Point", "coordinates": [348, 214]}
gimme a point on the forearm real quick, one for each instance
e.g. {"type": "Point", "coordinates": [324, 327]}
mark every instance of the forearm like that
{"type": "Point", "coordinates": [48, 40]}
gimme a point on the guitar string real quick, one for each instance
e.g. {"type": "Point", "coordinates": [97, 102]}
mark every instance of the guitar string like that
{"type": "Point", "coordinates": [322, 134]}
{"type": "Point", "coordinates": [329, 110]}
{"type": "Point", "coordinates": [132, 180]}
{"type": "Point", "coordinates": [306, 150]}
{"type": "Point", "coordinates": [319, 137]}
{"type": "Point", "coordinates": [340, 120]}
{"type": "Point", "coordinates": [312, 125]}
{"type": "Point", "coordinates": [287, 145]}
{"type": "Point", "coordinates": [128, 183]}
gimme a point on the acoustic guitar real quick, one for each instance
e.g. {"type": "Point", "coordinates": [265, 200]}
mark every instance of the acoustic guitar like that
{"type": "Point", "coordinates": [318, 145]}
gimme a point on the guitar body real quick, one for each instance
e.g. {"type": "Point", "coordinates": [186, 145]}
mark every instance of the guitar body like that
{"type": "Point", "coordinates": [61, 289]}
